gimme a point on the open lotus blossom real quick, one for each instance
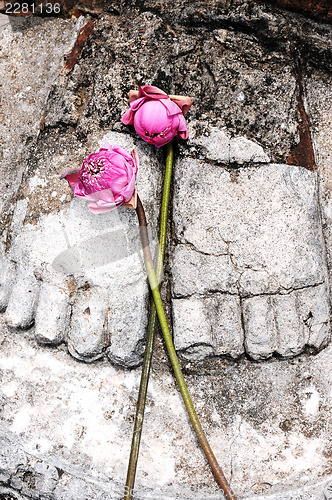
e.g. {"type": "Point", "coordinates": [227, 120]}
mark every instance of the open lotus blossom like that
{"type": "Point", "coordinates": [156, 116]}
{"type": "Point", "coordinates": [106, 179]}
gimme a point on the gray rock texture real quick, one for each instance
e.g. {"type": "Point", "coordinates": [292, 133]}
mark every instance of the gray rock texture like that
{"type": "Point", "coordinates": [66, 427]}
{"type": "Point", "coordinates": [318, 103]}
{"type": "Point", "coordinates": [250, 248]}
{"type": "Point", "coordinates": [31, 55]}
{"type": "Point", "coordinates": [247, 269]}
{"type": "Point", "coordinates": [77, 273]}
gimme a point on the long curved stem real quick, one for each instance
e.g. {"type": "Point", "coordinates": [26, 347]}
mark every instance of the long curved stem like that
{"type": "Point", "coordinates": [138, 425]}
{"type": "Point", "coordinates": [154, 284]}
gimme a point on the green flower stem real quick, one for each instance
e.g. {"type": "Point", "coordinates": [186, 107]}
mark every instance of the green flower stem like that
{"type": "Point", "coordinates": [138, 425]}
{"type": "Point", "coordinates": [154, 284]}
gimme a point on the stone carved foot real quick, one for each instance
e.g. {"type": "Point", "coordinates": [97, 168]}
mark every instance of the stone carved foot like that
{"type": "Point", "coordinates": [79, 278]}
{"type": "Point", "coordinates": [249, 273]}
{"type": "Point", "coordinates": [248, 268]}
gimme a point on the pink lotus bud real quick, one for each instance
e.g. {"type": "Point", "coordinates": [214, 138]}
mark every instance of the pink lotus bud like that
{"type": "Point", "coordinates": [106, 179]}
{"type": "Point", "coordinates": [157, 117]}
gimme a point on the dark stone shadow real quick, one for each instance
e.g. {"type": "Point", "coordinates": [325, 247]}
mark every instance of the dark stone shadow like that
{"type": "Point", "coordinates": [21, 24]}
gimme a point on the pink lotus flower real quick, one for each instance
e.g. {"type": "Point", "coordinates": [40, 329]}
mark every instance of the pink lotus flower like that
{"type": "Point", "coordinates": [106, 179]}
{"type": "Point", "coordinates": [157, 117]}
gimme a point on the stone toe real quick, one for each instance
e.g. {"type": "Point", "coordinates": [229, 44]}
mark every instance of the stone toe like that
{"type": "Point", "coordinates": [53, 314]}
{"type": "Point", "coordinates": [87, 336]}
{"type": "Point", "coordinates": [20, 312]}
{"type": "Point", "coordinates": [209, 326]}
{"type": "Point", "coordinates": [248, 240]}
{"type": "Point", "coordinates": [259, 326]}
{"type": "Point", "coordinates": [128, 318]}
{"type": "Point", "coordinates": [7, 275]}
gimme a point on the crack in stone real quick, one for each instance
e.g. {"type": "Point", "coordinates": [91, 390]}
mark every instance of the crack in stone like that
{"type": "Point", "coordinates": [227, 165]}
{"type": "Point", "coordinates": [204, 295]}
{"type": "Point", "coordinates": [282, 292]}
{"type": "Point", "coordinates": [190, 245]}
{"type": "Point", "coordinates": [243, 331]}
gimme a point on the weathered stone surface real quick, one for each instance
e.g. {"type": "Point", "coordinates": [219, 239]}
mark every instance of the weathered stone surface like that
{"type": "Point", "coordinates": [22, 303]}
{"type": "Point", "coordinates": [7, 273]}
{"type": "Point", "coordinates": [285, 323]}
{"type": "Point", "coordinates": [29, 64]}
{"type": "Point", "coordinates": [252, 93]}
{"type": "Point", "coordinates": [328, 491]}
{"type": "Point", "coordinates": [11, 457]}
{"type": "Point", "coordinates": [273, 28]}
{"type": "Point", "coordinates": [208, 327]}
{"type": "Point", "coordinates": [127, 323]}
{"type": "Point", "coordinates": [255, 234]}
{"type": "Point", "coordinates": [216, 145]}
{"type": "Point", "coordinates": [319, 9]}
{"type": "Point", "coordinates": [88, 333]}
{"type": "Point", "coordinates": [90, 268]}
{"type": "Point", "coordinates": [53, 314]}
{"type": "Point", "coordinates": [319, 105]}
{"type": "Point", "coordinates": [67, 425]}
{"type": "Point", "coordinates": [4, 21]}
{"type": "Point", "coordinates": [197, 273]}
